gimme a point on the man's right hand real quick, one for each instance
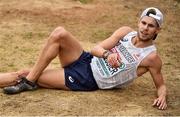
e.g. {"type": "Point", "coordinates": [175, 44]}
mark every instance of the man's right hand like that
{"type": "Point", "coordinates": [114, 60]}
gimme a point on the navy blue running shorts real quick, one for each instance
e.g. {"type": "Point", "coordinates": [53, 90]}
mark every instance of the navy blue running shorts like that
{"type": "Point", "coordinates": [79, 76]}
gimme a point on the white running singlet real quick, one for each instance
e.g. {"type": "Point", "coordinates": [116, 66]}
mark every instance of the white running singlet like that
{"type": "Point", "coordinates": [108, 77]}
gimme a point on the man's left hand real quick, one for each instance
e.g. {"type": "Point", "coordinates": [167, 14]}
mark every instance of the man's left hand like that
{"type": "Point", "coordinates": [160, 102]}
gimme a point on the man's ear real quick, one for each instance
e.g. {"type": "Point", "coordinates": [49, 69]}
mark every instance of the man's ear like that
{"type": "Point", "coordinates": [158, 30]}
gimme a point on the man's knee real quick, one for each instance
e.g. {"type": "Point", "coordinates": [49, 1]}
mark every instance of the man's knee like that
{"type": "Point", "coordinates": [58, 34]}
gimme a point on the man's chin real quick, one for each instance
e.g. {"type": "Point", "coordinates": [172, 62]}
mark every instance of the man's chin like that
{"type": "Point", "coordinates": [144, 39]}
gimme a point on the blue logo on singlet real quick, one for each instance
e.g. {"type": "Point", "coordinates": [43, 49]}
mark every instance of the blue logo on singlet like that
{"type": "Point", "coordinates": [124, 40]}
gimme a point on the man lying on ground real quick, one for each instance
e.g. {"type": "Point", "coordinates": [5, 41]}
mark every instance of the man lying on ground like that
{"type": "Point", "coordinates": [113, 63]}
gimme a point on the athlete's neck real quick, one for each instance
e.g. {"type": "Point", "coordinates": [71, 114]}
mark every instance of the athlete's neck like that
{"type": "Point", "coordinates": [140, 43]}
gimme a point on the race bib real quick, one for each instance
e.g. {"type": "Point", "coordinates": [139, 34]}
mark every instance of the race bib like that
{"type": "Point", "coordinates": [105, 68]}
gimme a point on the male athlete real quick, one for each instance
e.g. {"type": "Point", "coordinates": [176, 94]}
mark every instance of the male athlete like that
{"type": "Point", "coordinates": [113, 63]}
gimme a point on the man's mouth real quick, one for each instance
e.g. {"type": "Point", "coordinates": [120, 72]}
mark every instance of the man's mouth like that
{"type": "Point", "coordinates": [143, 33]}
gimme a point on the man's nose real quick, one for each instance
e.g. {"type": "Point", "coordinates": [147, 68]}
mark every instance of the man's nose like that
{"type": "Point", "coordinates": [145, 27]}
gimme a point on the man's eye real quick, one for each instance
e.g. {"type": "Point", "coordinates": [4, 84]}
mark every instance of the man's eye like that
{"type": "Point", "coordinates": [151, 26]}
{"type": "Point", "coordinates": [143, 23]}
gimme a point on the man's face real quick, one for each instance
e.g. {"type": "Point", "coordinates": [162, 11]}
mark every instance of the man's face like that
{"type": "Point", "coordinates": [148, 28]}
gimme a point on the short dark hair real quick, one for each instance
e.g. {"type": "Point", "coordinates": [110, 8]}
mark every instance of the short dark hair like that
{"type": "Point", "coordinates": [155, 36]}
{"type": "Point", "coordinates": [151, 11]}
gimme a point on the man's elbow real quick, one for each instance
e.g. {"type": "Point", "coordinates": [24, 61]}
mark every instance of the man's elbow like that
{"type": "Point", "coordinates": [94, 49]}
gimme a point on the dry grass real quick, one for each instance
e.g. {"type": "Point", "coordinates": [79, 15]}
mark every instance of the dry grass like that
{"type": "Point", "coordinates": [24, 26]}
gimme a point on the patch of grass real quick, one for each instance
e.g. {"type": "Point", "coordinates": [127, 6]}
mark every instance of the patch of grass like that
{"type": "Point", "coordinates": [84, 1]}
{"type": "Point", "coordinates": [27, 35]}
{"type": "Point", "coordinates": [100, 35]}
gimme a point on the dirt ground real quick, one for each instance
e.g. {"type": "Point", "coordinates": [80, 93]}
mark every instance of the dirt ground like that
{"type": "Point", "coordinates": [25, 24]}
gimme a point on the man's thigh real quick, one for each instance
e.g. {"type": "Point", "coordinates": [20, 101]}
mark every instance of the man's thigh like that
{"type": "Point", "coordinates": [70, 50]}
{"type": "Point", "coordinates": [53, 78]}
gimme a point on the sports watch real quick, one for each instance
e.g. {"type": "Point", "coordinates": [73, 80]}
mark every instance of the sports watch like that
{"type": "Point", "coordinates": [106, 54]}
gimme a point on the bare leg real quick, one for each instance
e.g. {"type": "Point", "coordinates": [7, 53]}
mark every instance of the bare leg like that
{"type": "Point", "coordinates": [60, 43]}
{"type": "Point", "coordinates": [51, 78]}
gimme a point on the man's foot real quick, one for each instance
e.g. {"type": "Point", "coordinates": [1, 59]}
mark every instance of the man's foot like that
{"type": "Point", "coordinates": [22, 85]}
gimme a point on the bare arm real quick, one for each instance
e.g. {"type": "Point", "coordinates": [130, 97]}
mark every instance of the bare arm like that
{"type": "Point", "coordinates": [110, 42]}
{"type": "Point", "coordinates": [99, 50]}
{"type": "Point", "coordinates": [155, 71]}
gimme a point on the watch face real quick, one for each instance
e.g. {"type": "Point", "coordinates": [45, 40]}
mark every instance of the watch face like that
{"type": "Point", "coordinates": [106, 54]}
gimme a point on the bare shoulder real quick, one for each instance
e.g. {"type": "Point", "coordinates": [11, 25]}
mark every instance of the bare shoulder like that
{"type": "Point", "coordinates": [154, 60]}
